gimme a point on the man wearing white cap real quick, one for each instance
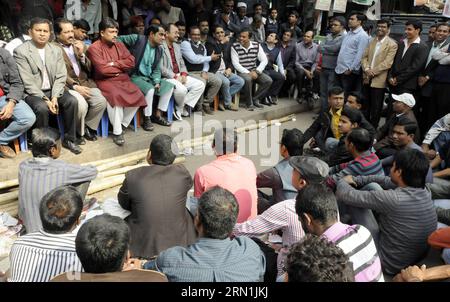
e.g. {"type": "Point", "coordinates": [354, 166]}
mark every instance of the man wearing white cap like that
{"type": "Point", "coordinates": [244, 21]}
{"type": "Point", "coordinates": [402, 106]}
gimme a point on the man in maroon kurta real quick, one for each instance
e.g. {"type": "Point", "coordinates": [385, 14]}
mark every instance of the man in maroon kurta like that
{"type": "Point", "coordinates": [111, 61]}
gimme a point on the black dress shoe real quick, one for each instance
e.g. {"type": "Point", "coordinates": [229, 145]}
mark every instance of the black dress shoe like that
{"type": "Point", "coordinates": [266, 102]}
{"type": "Point", "coordinates": [148, 126]}
{"type": "Point", "coordinates": [90, 134]}
{"type": "Point", "coordinates": [80, 141]}
{"type": "Point", "coordinates": [71, 146]}
{"type": "Point", "coordinates": [118, 139]}
{"type": "Point", "coordinates": [257, 104]}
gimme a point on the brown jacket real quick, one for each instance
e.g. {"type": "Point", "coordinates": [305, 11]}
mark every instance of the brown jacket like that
{"type": "Point", "coordinates": [84, 79]}
{"type": "Point", "coordinates": [383, 61]}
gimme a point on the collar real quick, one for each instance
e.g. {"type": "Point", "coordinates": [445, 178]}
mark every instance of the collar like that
{"type": "Point", "coordinates": [364, 154]}
{"type": "Point", "coordinates": [333, 231]}
{"type": "Point", "coordinates": [435, 45]}
{"type": "Point", "coordinates": [382, 40]}
{"type": "Point", "coordinates": [227, 156]}
{"type": "Point", "coordinates": [195, 44]}
{"type": "Point", "coordinates": [355, 31]}
{"type": "Point", "coordinates": [311, 46]}
{"type": "Point", "coordinates": [416, 41]}
{"type": "Point", "coordinates": [42, 159]}
{"type": "Point", "coordinates": [271, 21]}
{"type": "Point", "coordinates": [338, 112]}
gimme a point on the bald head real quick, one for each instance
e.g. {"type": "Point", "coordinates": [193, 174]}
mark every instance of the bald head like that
{"type": "Point", "coordinates": [308, 37]}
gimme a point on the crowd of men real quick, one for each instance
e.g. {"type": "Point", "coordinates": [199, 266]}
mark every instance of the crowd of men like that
{"type": "Point", "coordinates": [361, 206]}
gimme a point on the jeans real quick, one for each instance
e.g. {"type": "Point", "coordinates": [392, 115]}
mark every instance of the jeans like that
{"type": "Point", "coordinates": [331, 144]}
{"type": "Point", "coordinates": [327, 80]}
{"type": "Point", "coordinates": [230, 86]}
{"type": "Point", "coordinates": [22, 120]}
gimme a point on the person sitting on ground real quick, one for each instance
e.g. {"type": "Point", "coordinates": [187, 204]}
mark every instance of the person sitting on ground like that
{"type": "Point", "coordinates": [102, 246]}
{"type": "Point", "coordinates": [147, 74]}
{"type": "Point", "coordinates": [315, 259]}
{"type": "Point", "coordinates": [440, 239]}
{"type": "Point", "coordinates": [156, 197]}
{"type": "Point", "coordinates": [365, 162]}
{"type": "Point", "coordinates": [282, 216]}
{"type": "Point", "coordinates": [223, 170]}
{"type": "Point", "coordinates": [44, 172]}
{"type": "Point", "coordinates": [354, 101]}
{"type": "Point", "coordinates": [406, 213]}
{"type": "Point", "coordinates": [326, 125]}
{"type": "Point", "coordinates": [214, 257]}
{"type": "Point", "coordinates": [402, 106]}
{"type": "Point", "coordinates": [279, 177]}
{"type": "Point", "coordinates": [112, 61]}
{"type": "Point", "coordinates": [12, 106]}
{"type": "Point", "coordinates": [50, 251]}
{"type": "Point", "coordinates": [318, 213]}
{"type": "Point", "coordinates": [437, 136]}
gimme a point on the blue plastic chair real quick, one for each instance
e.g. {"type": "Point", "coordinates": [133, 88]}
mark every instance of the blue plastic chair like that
{"type": "Point", "coordinates": [23, 142]}
{"type": "Point", "coordinates": [102, 129]}
{"type": "Point", "coordinates": [170, 109]}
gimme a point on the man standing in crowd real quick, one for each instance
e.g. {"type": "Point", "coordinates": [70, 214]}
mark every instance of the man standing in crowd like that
{"type": "Point", "coordinates": [292, 25]}
{"type": "Point", "coordinates": [12, 106]}
{"type": "Point", "coordinates": [244, 55]}
{"type": "Point", "coordinates": [330, 51]}
{"type": "Point", "coordinates": [147, 74]}
{"type": "Point", "coordinates": [188, 90]}
{"type": "Point", "coordinates": [348, 68]}
{"type": "Point", "coordinates": [227, 18]}
{"type": "Point", "coordinates": [112, 61]}
{"type": "Point", "coordinates": [91, 102]}
{"type": "Point", "coordinates": [43, 72]}
{"type": "Point", "coordinates": [168, 13]}
{"type": "Point", "coordinates": [376, 62]}
{"type": "Point", "coordinates": [306, 62]}
{"type": "Point", "coordinates": [223, 68]}
{"type": "Point", "coordinates": [197, 64]}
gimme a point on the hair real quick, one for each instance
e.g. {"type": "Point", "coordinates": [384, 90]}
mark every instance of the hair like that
{"type": "Point", "coordinates": [409, 125]}
{"type": "Point", "coordinates": [340, 19]}
{"type": "Point", "coordinates": [318, 201]}
{"type": "Point", "coordinates": [193, 27]}
{"type": "Point", "coordinates": [202, 20]}
{"type": "Point", "coordinates": [135, 20]}
{"type": "Point", "coordinates": [38, 20]}
{"type": "Point", "coordinates": [57, 25]}
{"type": "Point", "coordinates": [442, 24]}
{"type": "Point", "coordinates": [179, 23]}
{"type": "Point", "coordinates": [43, 139]}
{"type": "Point", "coordinates": [60, 209]}
{"type": "Point", "coordinates": [361, 139]}
{"type": "Point", "coordinates": [287, 30]}
{"type": "Point", "coordinates": [360, 16]}
{"type": "Point", "coordinates": [356, 95]}
{"type": "Point", "coordinates": [336, 90]}
{"type": "Point", "coordinates": [153, 28]}
{"type": "Point", "coordinates": [83, 24]}
{"type": "Point", "coordinates": [316, 259]}
{"type": "Point", "coordinates": [414, 166]}
{"type": "Point", "coordinates": [256, 5]}
{"type": "Point", "coordinates": [417, 24]}
{"type": "Point", "coordinates": [225, 141]}
{"type": "Point", "coordinates": [247, 30]}
{"type": "Point", "coordinates": [161, 150]}
{"type": "Point", "coordinates": [102, 244]}
{"type": "Point", "coordinates": [273, 9]}
{"type": "Point", "coordinates": [167, 26]}
{"type": "Point", "coordinates": [272, 32]}
{"type": "Point", "coordinates": [217, 212]}
{"type": "Point", "coordinates": [154, 18]}
{"type": "Point", "coordinates": [293, 141]}
{"type": "Point", "coordinates": [384, 21]}
{"type": "Point", "coordinates": [216, 26]}
{"type": "Point", "coordinates": [24, 25]}
{"type": "Point", "coordinates": [295, 13]}
{"type": "Point", "coordinates": [108, 23]}
{"type": "Point", "coordinates": [435, 25]}
{"type": "Point", "coordinates": [353, 115]}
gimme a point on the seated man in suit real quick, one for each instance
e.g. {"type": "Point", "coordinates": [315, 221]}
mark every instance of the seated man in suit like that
{"type": "Point", "coordinates": [214, 257]}
{"type": "Point", "coordinates": [91, 102]}
{"type": "Point", "coordinates": [156, 197]}
{"type": "Point", "coordinates": [41, 67]}
{"type": "Point", "coordinates": [12, 106]}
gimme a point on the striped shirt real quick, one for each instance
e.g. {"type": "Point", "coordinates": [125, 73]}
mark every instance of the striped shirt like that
{"type": "Point", "coordinates": [406, 218]}
{"type": "Point", "coordinates": [244, 59]}
{"type": "Point", "coordinates": [358, 245]}
{"type": "Point", "coordinates": [367, 163]}
{"type": "Point", "coordinates": [214, 260]}
{"type": "Point", "coordinates": [37, 177]}
{"type": "Point", "coordinates": [280, 216]}
{"type": "Point", "coordinates": [40, 256]}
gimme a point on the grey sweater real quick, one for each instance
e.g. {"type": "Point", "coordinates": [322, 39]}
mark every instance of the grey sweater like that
{"type": "Point", "coordinates": [406, 218]}
{"type": "Point", "coordinates": [330, 50]}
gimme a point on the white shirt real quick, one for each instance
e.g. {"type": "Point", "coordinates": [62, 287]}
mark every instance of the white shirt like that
{"type": "Point", "coordinates": [377, 49]}
{"type": "Point", "coordinates": [45, 79]}
{"type": "Point", "coordinates": [13, 44]}
{"type": "Point", "coordinates": [416, 41]}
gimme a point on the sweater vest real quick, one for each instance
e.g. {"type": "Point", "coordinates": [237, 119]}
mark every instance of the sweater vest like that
{"type": "Point", "coordinates": [200, 50]}
{"type": "Point", "coordinates": [247, 59]}
{"type": "Point", "coordinates": [271, 54]}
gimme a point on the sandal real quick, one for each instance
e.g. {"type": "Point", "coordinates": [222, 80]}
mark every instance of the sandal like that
{"type": "Point", "coordinates": [161, 121]}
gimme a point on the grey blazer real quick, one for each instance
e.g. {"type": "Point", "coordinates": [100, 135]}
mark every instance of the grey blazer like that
{"type": "Point", "coordinates": [31, 68]}
{"type": "Point", "coordinates": [166, 61]}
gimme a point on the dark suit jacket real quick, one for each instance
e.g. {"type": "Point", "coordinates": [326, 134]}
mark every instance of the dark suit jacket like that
{"type": "Point", "coordinates": [407, 69]}
{"type": "Point", "coordinates": [10, 80]}
{"type": "Point", "coordinates": [428, 70]}
{"type": "Point", "coordinates": [225, 49]}
{"type": "Point", "coordinates": [156, 196]}
{"type": "Point", "coordinates": [85, 70]}
{"type": "Point", "coordinates": [289, 55]}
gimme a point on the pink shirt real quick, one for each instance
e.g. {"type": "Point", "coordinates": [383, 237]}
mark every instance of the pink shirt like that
{"type": "Point", "coordinates": [234, 173]}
